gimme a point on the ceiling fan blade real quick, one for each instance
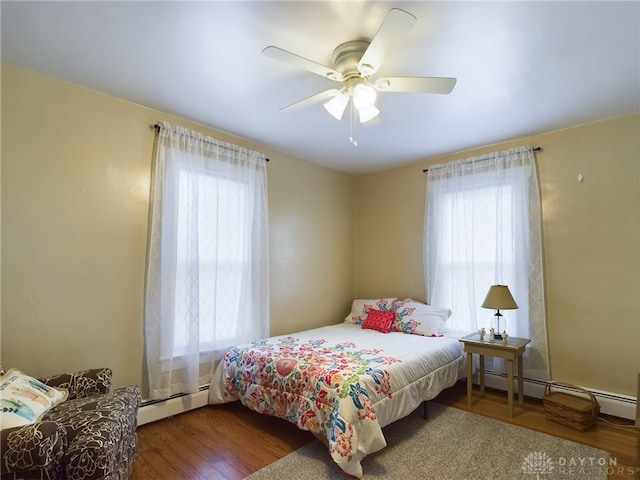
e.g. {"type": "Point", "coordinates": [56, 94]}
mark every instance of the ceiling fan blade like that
{"type": "Point", "coordinates": [318, 97]}
{"type": "Point", "coordinates": [301, 62]}
{"type": "Point", "coordinates": [442, 85]}
{"type": "Point", "coordinates": [393, 29]}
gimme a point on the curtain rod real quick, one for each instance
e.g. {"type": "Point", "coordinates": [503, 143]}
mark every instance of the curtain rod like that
{"type": "Point", "coordinates": [535, 149]}
{"type": "Point", "coordinates": [157, 127]}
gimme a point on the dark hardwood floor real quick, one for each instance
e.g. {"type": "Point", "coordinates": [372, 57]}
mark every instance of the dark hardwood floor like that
{"type": "Point", "coordinates": [218, 442]}
{"type": "Point", "coordinates": [229, 442]}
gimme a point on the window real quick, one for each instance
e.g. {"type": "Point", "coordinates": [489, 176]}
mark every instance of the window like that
{"type": "Point", "coordinates": [474, 234]}
{"type": "Point", "coordinates": [482, 227]}
{"type": "Point", "coordinates": [221, 262]}
{"type": "Point", "coordinates": [207, 269]}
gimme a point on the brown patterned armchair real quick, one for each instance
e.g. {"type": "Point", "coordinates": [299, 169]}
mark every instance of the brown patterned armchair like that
{"type": "Point", "coordinates": [91, 435]}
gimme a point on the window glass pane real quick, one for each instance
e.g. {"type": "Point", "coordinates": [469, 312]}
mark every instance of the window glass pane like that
{"type": "Point", "coordinates": [212, 255]}
{"type": "Point", "coordinates": [473, 229]}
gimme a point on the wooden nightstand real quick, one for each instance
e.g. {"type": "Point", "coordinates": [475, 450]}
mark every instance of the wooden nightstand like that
{"type": "Point", "coordinates": [511, 351]}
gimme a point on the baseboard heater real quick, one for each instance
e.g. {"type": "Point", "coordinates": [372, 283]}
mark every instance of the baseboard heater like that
{"type": "Point", "coordinates": [615, 404]}
{"type": "Point", "coordinates": [153, 410]}
{"type": "Point", "coordinates": [610, 404]}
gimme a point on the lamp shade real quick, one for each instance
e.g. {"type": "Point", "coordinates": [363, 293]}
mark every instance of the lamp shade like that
{"type": "Point", "coordinates": [499, 298]}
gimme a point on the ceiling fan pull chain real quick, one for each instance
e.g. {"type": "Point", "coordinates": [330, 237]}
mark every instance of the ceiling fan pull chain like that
{"type": "Point", "coordinates": [352, 123]}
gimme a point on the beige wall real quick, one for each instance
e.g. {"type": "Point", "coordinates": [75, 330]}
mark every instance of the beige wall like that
{"type": "Point", "coordinates": [311, 245]}
{"type": "Point", "coordinates": [75, 198]}
{"type": "Point", "coordinates": [591, 245]}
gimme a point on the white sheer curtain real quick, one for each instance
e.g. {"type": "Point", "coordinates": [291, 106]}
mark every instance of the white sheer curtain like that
{"type": "Point", "coordinates": [483, 227]}
{"type": "Point", "coordinates": [207, 268]}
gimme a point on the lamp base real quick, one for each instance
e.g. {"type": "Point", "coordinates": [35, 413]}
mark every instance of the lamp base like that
{"type": "Point", "coordinates": [495, 325]}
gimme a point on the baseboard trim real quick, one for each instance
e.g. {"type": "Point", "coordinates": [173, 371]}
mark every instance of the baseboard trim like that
{"type": "Point", "coordinates": [622, 406]}
{"type": "Point", "coordinates": [153, 410]}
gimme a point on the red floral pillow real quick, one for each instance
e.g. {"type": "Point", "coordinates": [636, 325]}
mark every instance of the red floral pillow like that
{"type": "Point", "coordinates": [379, 320]}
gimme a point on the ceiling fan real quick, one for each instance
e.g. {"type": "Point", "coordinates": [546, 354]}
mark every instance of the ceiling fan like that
{"type": "Point", "coordinates": [355, 64]}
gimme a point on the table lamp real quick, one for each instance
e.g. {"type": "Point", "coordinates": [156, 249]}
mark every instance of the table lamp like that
{"type": "Point", "coordinates": [499, 298]}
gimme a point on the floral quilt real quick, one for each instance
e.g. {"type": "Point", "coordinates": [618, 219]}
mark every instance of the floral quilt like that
{"type": "Point", "coordinates": [319, 382]}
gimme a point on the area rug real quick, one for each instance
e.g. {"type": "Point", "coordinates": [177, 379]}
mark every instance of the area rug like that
{"type": "Point", "coordinates": [453, 444]}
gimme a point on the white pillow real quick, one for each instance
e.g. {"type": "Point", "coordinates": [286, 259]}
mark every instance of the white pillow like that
{"type": "Point", "coordinates": [420, 319]}
{"type": "Point", "coordinates": [24, 399]}
{"type": "Point", "coordinates": [360, 308]}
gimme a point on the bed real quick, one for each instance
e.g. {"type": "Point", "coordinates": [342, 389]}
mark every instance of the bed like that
{"type": "Point", "coordinates": [345, 382]}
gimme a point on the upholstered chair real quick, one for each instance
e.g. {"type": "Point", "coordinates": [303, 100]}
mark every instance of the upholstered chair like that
{"type": "Point", "coordinates": [91, 435]}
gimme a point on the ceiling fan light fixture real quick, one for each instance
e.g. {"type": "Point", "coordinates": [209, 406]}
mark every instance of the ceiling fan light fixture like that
{"type": "Point", "coordinates": [337, 105]}
{"type": "Point", "coordinates": [364, 96]}
{"type": "Point", "coordinates": [368, 113]}
{"type": "Point", "coordinates": [354, 63]}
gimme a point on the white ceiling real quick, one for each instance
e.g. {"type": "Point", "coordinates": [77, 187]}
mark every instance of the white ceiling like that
{"type": "Point", "coordinates": [522, 67]}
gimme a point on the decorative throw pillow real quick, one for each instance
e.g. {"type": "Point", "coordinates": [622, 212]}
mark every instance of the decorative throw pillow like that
{"type": "Point", "coordinates": [379, 320]}
{"type": "Point", "coordinates": [420, 319]}
{"type": "Point", "coordinates": [24, 399]}
{"type": "Point", "coordinates": [360, 308]}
